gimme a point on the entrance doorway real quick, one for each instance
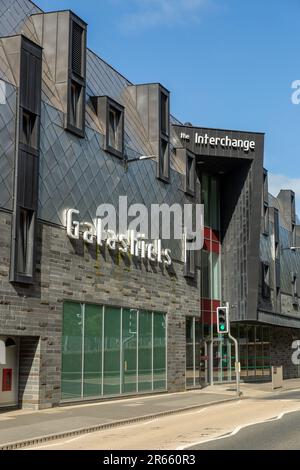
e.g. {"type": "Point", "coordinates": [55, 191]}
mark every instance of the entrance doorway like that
{"type": "Point", "coordinates": [9, 371]}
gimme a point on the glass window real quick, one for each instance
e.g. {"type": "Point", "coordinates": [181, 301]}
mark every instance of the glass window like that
{"type": "Point", "coordinates": [190, 174]}
{"type": "Point", "coordinates": [206, 199]}
{"type": "Point", "coordinates": [159, 352]}
{"type": "Point", "coordinates": [109, 351]}
{"type": "Point", "coordinates": [112, 351]}
{"type": "Point", "coordinates": [205, 275]}
{"type": "Point", "coordinates": [216, 288]}
{"type": "Point", "coordinates": [190, 340]}
{"type": "Point", "coordinates": [72, 351]}
{"type": "Point", "coordinates": [266, 291]}
{"type": "Point", "coordinates": [145, 351]}
{"type": "Point", "coordinates": [25, 237]}
{"type": "Point", "coordinates": [164, 113]}
{"type": "Point", "coordinates": [76, 105]}
{"type": "Point", "coordinates": [28, 135]}
{"type": "Point", "coordinates": [259, 360]}
{"type": "Point", "coordinates": [129, 342]}
{"type": "Point", "coordinates": [211, 200]}
{"type": "Point", "coordinates": [164, 159]}
{"type": "Point", "coordinates": [198, 345]}
{"type": "Point", "coordinates": [189, 268]}
{"type": "Point", "coordinates": [92, 375]}
{"type": "Point", "coordinates": [114, 129]}
{"type": "Point", "coordinates": [215, 209]}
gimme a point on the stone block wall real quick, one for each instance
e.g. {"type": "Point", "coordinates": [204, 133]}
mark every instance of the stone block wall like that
{"type": "Point", "coordinates": [74, 271]}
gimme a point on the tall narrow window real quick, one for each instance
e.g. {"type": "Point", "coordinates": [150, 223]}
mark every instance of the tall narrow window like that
{"type": "Point", "coordinates": [75, 104]}
{"type": "Point", "coordinates": [189, 268]}
{"type": "Point", "coordinates": [164, 160]}
{"type": "Point", "coordinates": [25, 242]}
{"type": "Point", "coordinates": [293, 206]}
{"type": "Point", "coordinates": [276, 232]}
{"type": "Point", "coordinates": [28, 131]}
{"type": "Point", "coordinates": [265, 204]}
{"type": "Point", "coordinates": [190, 174]}
{"type": "Point", "coordinates": [266, 291]}
{"type": "Point", "coordinates": [114, 129]}
{"type": "Point", "coordinates": [266, 219]}
{"type": "Point", "coordinates": [164, 113]}
{"type": "Point", "coordinates": [75, 118]}
{"type": "Point", "coordinates": [111, 118]}
{"type": "Point", "coordinates": [294, 238]}
{"type": "Point", "coordinates": [163, 168]}
{"type": "Point", "coordinates": [294, 289]}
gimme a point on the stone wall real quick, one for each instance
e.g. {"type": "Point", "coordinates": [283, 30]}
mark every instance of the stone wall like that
{"type": "Point", "coordinates": [281, 351]}
{"type": "Point", "coordinates": [74, 271]}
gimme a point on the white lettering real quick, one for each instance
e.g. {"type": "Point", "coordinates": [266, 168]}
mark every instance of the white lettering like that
{"type": "Point", "coordinates": [72, 226]}
{"type": "Point", "coordinates": [132, 243]}
{"type": "Point", "coordinates": [88, 235]}
{"type": "Point", "coordinates": [227, 142]}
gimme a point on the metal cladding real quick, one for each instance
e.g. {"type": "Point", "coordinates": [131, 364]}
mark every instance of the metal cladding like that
{"type": "Point", "coordinates": [77, 169]}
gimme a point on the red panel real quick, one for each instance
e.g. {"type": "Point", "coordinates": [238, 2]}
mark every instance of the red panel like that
{"type": "Point", "coordinates": [206, 245]}
{"type": "Point", "coordinates": [215, 236]}
{"type": "Point", "coordinates": [206, 317]}
{"type": "Point", "coordinates": [206, 304]}
{"type": "Point", "coordinates": [207, 233]}
{"type": "Point", "coordinates": [215, 247]}
{"type": "Point", "coordinates": [216, 304]}
{"type": "Point", "coordinates": [7, 380]}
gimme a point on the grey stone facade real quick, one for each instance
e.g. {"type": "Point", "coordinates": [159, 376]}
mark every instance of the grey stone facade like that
{"type": "Point", "coordinates": [67, 271]}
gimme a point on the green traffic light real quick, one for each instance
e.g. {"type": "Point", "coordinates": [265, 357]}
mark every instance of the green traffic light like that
{"type": "Point", "coordinates": [222, 327]}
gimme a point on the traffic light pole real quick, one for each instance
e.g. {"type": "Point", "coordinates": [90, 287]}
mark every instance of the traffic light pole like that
{"type": "Point", "coordinates": [237, 361]}
{"type": "Point", "coordinates": [237, 365]}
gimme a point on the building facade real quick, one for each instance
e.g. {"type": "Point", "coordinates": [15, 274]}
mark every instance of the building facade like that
{"type": "Point", "coordinates": [81, 319]}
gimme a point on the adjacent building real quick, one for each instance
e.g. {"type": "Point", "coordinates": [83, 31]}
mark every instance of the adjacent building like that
{"type": "Point", "coordinates": [81, 319]}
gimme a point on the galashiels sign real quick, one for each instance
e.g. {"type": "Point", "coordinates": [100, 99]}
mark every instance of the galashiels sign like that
{"type": "Point", "coordinates": [129, 243]}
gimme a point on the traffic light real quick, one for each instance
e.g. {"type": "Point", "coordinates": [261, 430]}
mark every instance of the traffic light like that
{"type": "Point", "coordinates": [223, 320]}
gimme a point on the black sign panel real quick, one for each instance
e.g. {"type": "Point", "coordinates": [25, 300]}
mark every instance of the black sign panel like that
{"type": "Point", "coordinates": [220, 143]}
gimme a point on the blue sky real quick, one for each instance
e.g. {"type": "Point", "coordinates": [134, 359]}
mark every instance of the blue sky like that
{"type": "Point", "coordinates": [228, 63]}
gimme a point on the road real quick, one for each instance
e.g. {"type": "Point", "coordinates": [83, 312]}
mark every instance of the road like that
{"type": "Point", "coordinates": [193, 429]}
{"type": "Point", "coordinates": [278, 434]}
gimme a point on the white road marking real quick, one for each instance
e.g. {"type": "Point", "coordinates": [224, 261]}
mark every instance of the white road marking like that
{"type": "Point", "coordinates": [237, 430]}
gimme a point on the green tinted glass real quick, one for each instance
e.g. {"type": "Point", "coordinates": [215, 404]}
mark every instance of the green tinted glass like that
{"type": "Point", "coordinates": [159, 352]}
{"type": "Point", "coordinates": [145, 351]}
{"type": "Point", "coordinates": [92, 376]}
{"type": "Point", "coordinates": [112, 353]}
{"type": "Point", "coordinates": [72, 351]}
{"type": "Point", "coordinates": [129, 360]}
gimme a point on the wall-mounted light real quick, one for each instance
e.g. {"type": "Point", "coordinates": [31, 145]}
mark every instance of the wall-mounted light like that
{"type": "Point", "coordinates": [136, 159]}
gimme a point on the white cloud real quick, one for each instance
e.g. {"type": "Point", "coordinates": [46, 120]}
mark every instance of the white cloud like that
{"type": "Point", "coordinates": [153, 13]}
{"type": "Point", "coordinates": [278, 182]}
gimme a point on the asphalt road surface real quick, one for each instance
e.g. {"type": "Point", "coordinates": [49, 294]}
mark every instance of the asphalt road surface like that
{"type": "Point", "coordinates": [277, 434]}
{"type": "Point", "coordinates": [193, 430]}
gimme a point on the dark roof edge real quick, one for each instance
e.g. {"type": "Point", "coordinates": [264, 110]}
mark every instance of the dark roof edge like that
{"type": "Point", "coordinates": [218, 129]}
